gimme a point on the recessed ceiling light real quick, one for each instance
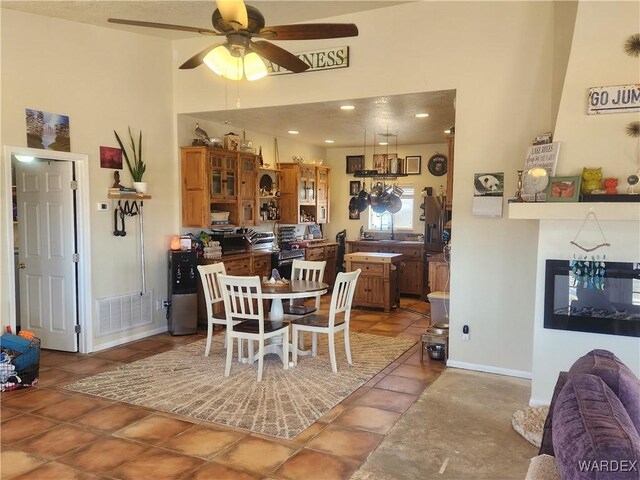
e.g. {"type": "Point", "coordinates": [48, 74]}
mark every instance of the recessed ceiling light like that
{"type": "Point", "coordinates": [329, 141]}
{"type": "Point", "coordinates": [447, 131]}
{"type": "Point", "coordinates": [347, 107]}
{"type": "Point", "coordinates": [421, 115]}
{"type": "Point", "coordinates": [383, 143]}
{"type": "Point", "coordinates": [294, 132]}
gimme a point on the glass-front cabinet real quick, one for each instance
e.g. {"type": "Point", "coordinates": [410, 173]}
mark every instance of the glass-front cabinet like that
{"type": "Point", "coordinates": [307, 194]}
{"type": "Point", "coordinates": [224, 177]}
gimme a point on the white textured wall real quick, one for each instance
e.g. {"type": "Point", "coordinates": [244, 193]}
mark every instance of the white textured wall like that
{"type": "Point", "coordinates": [103, 79]}
{"type": "Point", "coordinates": [498, 57]}
{"type": "Point", "coordinates": [592, 141]}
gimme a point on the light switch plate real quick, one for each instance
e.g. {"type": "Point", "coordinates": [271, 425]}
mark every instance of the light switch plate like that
{"type": "Point", "coordinates": [102, 206]}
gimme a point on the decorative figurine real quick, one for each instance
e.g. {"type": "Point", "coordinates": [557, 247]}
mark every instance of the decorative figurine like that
{"type": "Point", "coordinates": [611, 185]}
{"type": "Point", "coordinates": [116, 179]}
{"type": "Point", "coordinates": [202, 135]}
{"type": "Point", "coordinates": [591, 180]}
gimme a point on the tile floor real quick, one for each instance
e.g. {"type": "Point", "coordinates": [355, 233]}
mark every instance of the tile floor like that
{"type": "Point", "coordinates": [51, 433]}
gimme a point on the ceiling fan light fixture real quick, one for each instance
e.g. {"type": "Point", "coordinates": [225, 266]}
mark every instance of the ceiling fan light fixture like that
{"type": "Point", "coordinates": [254, 67]}
{"type": "Point", "coordinates": [224, 63]}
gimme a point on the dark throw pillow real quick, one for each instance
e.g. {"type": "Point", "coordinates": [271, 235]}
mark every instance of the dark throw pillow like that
{"type": "Point", "coordinates": [616, 375]}
{"type": "Point", "coordinates": [593, 436]}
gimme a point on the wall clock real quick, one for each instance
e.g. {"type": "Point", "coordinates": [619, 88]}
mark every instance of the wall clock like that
{"type": "Point", "coordinates": [437, 164]}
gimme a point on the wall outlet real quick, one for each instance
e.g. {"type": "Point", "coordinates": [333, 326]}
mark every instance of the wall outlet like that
{"type": "Point", "coordinates": [465, 333]}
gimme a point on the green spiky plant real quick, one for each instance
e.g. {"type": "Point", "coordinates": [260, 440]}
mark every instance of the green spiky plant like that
{"type": "Point", "coordinates": [137, 168]}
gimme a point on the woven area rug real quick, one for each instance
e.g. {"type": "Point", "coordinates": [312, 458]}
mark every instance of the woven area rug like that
{"type": "Point", "coordinates": [185, 382]}
{"type": "Point", "coordinates": [529, 422]}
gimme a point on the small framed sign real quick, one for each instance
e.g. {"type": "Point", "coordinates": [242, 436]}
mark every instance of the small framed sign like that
{"type": "Point", "coordinates": [354, 162]}
{"type": "Point", "coordinates": [413, 164]}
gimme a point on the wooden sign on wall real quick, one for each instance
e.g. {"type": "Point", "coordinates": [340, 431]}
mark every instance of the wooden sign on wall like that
{"type": "Point", "coordinates": [326, 59]}
{"type": "Point", "coordinates": [615, 99]}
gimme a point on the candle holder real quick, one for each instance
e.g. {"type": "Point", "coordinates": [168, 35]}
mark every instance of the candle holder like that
{"type": "Point", "coordinates": [519, 198]}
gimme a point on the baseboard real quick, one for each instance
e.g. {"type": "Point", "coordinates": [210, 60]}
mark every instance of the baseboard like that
{"type": "Point", "coordinates": [489, 369]}
{"type": "Point", "coordinates": [129, 338]}
{"type": "Point", "coordinates": [533, 402]}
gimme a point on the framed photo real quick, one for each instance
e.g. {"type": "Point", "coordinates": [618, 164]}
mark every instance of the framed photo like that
{"type": "Point", "coordinates": [354, 214]}
{"type": "Point", "coordinates": [413, 164]}
{"type": "Point", "coordinates": [563, 189]}
{"type": "Point", "coordinates": [111, 157]}
{"type": "Point", "coordinates": [355, 162]}
{"type": "Point", "coordinates": [354, 188]}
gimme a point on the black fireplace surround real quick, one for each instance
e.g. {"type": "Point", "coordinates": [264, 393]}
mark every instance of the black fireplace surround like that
{"type": "Point", "coordinates": [608, 303]}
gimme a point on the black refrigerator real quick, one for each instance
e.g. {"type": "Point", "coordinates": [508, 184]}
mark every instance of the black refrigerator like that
{"type": "Point", "coordinates": [436, 232]}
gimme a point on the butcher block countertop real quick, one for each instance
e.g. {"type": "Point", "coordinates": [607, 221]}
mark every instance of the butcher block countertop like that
{"type": "Point", "coordinates": [373, 257]}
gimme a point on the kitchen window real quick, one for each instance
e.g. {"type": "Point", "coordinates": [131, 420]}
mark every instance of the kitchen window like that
{"type": "Point", "coordinates": [403, 220]}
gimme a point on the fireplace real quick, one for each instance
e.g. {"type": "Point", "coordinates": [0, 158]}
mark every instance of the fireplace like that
{"type": "Point", "coordinates": [597, 297]}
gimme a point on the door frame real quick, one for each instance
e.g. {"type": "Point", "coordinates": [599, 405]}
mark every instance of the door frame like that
{"type": "Point", "coordinates": [81, 162]}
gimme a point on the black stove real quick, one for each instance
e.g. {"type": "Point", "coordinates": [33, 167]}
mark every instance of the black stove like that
{"type": "Point", "coordinates": [283, 260]}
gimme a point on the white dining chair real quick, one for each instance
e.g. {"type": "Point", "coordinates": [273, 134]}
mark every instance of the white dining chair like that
{"type": "Point", "coordinates": [243, 301]}
{"type": "Point", "coordinates": [213, 295]}
{"type": "Point", "coordinates": [305, 270]}
{"type": "Point", "coordinates": [312, 271]}
{"type": "Point", "coordinates": [336, 321]}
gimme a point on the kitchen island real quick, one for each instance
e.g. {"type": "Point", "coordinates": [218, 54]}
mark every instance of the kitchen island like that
{"type": "Point", "coordinates": [378, 282]}
{"type": "Point", "coordinates": [412, 281]}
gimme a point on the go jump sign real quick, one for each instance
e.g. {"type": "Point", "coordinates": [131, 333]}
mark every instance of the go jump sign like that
{"type": "Point", "coordinates": [617, 99]}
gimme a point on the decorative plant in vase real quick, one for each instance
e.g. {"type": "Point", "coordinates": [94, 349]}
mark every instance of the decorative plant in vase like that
{"type": "Point", "coordinates": [136, 166]}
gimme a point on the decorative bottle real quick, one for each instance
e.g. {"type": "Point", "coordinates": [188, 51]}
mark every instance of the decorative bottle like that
{"type": "Point", "coordinates": [260, 157]}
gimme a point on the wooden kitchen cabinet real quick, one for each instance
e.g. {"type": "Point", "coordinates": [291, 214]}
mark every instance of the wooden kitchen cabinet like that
{"type": "Point", "coordinates": [378, 282]}
{"type": "Point", "coordinates": [304, 193]}
{"type": "Point", "coordinates": [218, 179]}
{"type": "Point", "coordinates": [327, 252]}
{"type": "Point", "coordinates": [438, 276]}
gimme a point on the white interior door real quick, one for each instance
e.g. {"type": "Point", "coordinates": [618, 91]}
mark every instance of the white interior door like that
{"type": "Point", "coordinates": [47, 243]}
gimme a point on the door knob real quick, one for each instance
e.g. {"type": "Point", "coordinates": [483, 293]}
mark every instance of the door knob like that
{"type": "Point", "coordinates": [22, 265]}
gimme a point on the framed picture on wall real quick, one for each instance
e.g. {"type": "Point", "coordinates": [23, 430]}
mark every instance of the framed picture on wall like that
{"type": "Point", "coordinates": [354, 188]}
{"type": "Point", "coordinates": [355, 162]}
{"type": "Point", "coordinates": [413, 164]}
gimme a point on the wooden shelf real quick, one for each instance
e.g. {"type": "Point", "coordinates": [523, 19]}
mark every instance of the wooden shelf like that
{"type": "Point", "coordinates": [130, 196]}
{"type": "Point", "coordinates": [272, 197]}
{"type": "Point", "coordinates": [627, 211]}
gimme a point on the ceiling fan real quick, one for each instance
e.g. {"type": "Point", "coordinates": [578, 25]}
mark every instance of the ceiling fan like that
{"type": "Point", "coordinates": [239, 55]}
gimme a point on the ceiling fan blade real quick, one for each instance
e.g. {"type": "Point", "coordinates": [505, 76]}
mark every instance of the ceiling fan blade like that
{"type": "Point", "coordinates": [234, 12]}
{"type": "Point", "coordinates": [166, 26]}
{"type": "Point", "coordinates": [309, 31]}
{"type": "Point", "coordinates": [197, 59]}
{"type": "Point", "coordinates": [279, 56]}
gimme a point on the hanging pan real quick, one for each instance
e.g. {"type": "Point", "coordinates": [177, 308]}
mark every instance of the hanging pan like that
{"type": "Point", "coordinates": [353, 204]}
{"type": "Point", "coordinates": [363, 200]}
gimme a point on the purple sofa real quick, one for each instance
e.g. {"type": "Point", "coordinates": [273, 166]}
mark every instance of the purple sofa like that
{"type": "Point", "coordinates": [593, 426]}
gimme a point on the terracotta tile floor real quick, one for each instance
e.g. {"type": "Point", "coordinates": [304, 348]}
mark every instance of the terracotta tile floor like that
{"type": "Point", "coordinates": [51, 433]}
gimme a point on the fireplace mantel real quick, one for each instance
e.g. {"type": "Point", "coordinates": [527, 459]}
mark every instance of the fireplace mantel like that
{"type": "Point", "coordinates": [616, 211]}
